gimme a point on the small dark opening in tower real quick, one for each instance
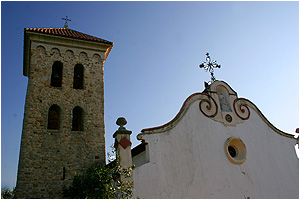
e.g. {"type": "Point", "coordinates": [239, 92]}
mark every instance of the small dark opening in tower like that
{"type": "Point", "coordinates": [232, 151]}
{"type": "Point", "coordinates": [77, 122]}
{"type": "Point", "coordinates": [54, 117]}
{"type": "Point", "coordinates": [64, 173]}
{"type": "Point", "coordinates": [56, 76]}
{"type": "Point", "coordinates": [78, 77]}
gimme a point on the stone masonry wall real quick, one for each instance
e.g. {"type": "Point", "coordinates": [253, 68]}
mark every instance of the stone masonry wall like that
{"type": "Point", "coordinates": [45, 153]}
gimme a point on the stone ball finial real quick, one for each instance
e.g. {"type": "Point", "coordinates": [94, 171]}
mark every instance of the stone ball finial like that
{"type": "Point", "coordinates": [121, 121]}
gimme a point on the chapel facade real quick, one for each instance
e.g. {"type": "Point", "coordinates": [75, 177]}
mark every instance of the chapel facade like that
{"type": "Point", "coordinates": [218, 146]}
{"type": "Point", "coordinates": [63, 127]}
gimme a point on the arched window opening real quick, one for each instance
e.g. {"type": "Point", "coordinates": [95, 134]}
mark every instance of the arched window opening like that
{"type": "Point", "coordinates": [56, 76]}
{"type": "Point", "coordinates": [54, 117]}
{"type": "Point", "coordinates": [78, 77]}
{"type": "Point", "coordinates": [77, 122]}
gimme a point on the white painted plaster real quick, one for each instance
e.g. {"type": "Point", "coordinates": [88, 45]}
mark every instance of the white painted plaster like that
{"type": "Point", "coordinates": [189, 161]}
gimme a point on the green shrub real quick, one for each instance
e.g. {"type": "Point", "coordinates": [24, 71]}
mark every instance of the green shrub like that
{"type": "Point", "coordinates": [7, 193]}
{"type": "Point", "coordinates": [101, 182]}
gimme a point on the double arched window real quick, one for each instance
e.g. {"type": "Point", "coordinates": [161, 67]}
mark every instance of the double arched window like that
{"type": "Point", "coordinates": [78, 77]}
{"type": "Point", "coordinates": [56, 76]}
{"type": "Point", "coordinates": [54, 117]}
{"type": "Point", "coordinates": [77, 122]}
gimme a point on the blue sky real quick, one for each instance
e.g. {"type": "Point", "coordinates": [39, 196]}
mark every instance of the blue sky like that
{"type": "Point", "coordinates": [153, 66]}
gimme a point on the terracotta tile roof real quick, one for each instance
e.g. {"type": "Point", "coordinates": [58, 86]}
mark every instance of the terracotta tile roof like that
{"type": "Point", "coordinates": [66, 32]}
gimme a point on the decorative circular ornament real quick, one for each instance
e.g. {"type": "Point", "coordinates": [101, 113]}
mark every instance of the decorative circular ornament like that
{"type": "Point", "coordinates": [241, 109]}
{"type": "Point", "coordinates": [208, 108]}
{"type": "Point", "coordinates": [235, 150]}
{"type": "Point", "coordinates": [228, 118]}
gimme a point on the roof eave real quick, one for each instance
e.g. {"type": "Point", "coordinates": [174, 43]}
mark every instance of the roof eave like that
{"type": "Point", "coordinates": [27, 46]}
{"type": "Point", "coordinates": [66, 36]}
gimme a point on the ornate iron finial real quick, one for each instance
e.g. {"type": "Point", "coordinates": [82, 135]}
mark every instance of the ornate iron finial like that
{"type": "Point", "coordinates": [66, 23]}
{"type": "Point", "coordinates": [209, 66]}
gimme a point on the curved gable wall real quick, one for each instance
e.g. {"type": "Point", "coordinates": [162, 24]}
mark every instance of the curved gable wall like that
{"type": "Point", "coordinates": [188, 160]}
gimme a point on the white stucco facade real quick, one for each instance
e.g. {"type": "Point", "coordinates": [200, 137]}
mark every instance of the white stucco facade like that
{"type": "Point", "coordinates": [186, 158]}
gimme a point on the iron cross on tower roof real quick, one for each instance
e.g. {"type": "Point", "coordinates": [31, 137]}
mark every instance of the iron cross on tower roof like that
{"type": "Point", "coordinates": [209, 66]}
{"type": "Point", "coordinates": [66, 23]}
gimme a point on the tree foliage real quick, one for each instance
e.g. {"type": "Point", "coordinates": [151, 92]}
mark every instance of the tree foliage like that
{"type": "Point", "coordinates": [101, 182]}
{"type": "Point", "coordinates": [8, 193]}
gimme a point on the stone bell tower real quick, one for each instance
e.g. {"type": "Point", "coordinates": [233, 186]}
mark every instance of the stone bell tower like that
{"type": "Point", "coordinates": [63, 127]}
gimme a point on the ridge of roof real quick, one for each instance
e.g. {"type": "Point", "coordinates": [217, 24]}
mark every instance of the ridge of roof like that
{"type": "Point", "coordinates": [66, 32]}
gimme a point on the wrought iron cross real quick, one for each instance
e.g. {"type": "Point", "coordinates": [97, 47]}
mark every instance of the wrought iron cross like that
{"type": "Point", "coordinates": [66, 23]}
{"type": "Point", "coordinates": [209, 66]}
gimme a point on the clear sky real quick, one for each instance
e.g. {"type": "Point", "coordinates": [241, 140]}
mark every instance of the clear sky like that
{"type": "Point", "coordinates": [154, 64]}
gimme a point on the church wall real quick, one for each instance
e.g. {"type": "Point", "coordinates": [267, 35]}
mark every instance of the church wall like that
{"type": "Point", "coordinates": [189, 161]}
{"type": "Point", "coordinates": [50, 158]}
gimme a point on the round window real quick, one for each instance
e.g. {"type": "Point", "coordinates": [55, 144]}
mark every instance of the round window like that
{"type": "Point", "coordinates": [232, 151]}
{"type": "Point", "coordinates": [235, 150]}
